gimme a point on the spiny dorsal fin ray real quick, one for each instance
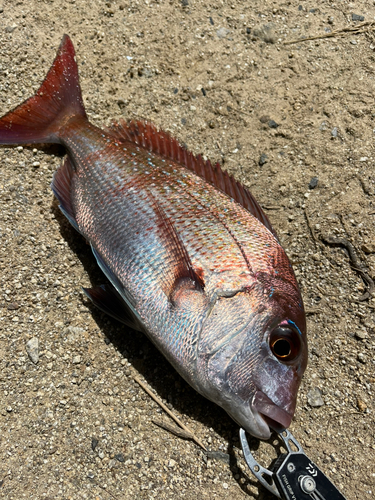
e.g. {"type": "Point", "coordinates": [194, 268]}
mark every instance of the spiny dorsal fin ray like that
{"type": "Point", "coordinates": [146, 135]}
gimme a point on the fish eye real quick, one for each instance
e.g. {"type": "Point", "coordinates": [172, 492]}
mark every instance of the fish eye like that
{"type": "Point", "coordinates": [285, 343]}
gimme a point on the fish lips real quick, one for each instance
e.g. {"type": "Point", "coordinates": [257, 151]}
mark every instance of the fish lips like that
{"type": "Point", "coordinates": [274, 416]}
{"type": "Point", "coordinates": [277, 384]}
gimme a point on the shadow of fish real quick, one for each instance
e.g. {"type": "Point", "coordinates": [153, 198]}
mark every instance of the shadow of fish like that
{"type": "Point", "coordinates": [191, 258]}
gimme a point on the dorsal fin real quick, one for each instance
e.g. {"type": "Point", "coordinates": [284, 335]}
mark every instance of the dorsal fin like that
{"type": "Point", "coordinates": [146, 135]}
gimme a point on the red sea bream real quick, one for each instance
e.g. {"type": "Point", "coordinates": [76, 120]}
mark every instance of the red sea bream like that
{"type": "Point", "coordinates": [191, 258]}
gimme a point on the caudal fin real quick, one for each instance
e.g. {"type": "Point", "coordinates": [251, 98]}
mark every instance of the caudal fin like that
{"type": "Point", "coordinates": [39, 118]}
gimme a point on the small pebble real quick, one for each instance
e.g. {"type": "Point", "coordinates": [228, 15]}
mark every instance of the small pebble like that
{"type": "Point", "coordinates": [264, 119]}
{"type": "Point", "coordinates": [361, 404]}
{"type": "Point", "coordinates": [357, 17]}
{"type": "Point", "coordinates": [314, 397]}
{"type": "Point", "coordinates": [272, 124]}
{"type": "Point", "coordinates": [366, 247]}
{"type": "Point", "coordinates": [14, 305]}
{"type": "Point", "coordinates": [76, 360]}
{"type": "Point", "coordinates": [334, 132]}
{"type": "Point", "coordinates": [120, 457]}
{"type": "Point", "coordinates": [263, 159]}
{"type": "Point", "coordinates": [361, 335]}
{"type": "Point", "coordinates": [219, 455]}
{"type": "Point", "coordinates": [32, 349]}
{"type": "Point", "coordinates": [315, 351]}
{"type": "Point", "coordinates": [265, 33]}
{"type": "Point", "coordinates": [94, 443]}
{"type": "Point", "coordinates": [222, 32]}
{"type": "Point", "coordinates": [362, 358]}
{"type": "Point", "coordinates": [313, 183]}
{"type": "Point", "coordinates": [10, 29]}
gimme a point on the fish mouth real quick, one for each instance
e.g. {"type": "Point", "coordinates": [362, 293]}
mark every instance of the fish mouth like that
{"type": "Point", "coordinates": [274, 416]}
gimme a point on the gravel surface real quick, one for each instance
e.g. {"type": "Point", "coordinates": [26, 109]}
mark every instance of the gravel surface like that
{"type": "Point", "coordinates": [73, 422]}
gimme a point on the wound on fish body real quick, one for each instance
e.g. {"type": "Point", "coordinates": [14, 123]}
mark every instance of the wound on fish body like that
{"type": "Point", "coordinates": [191, 258]}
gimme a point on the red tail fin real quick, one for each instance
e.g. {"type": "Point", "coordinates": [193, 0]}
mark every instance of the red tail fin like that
{"type": "Point", "coordinates": [38, 119]}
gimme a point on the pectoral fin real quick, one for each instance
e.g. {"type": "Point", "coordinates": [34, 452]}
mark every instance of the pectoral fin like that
{"type": "Point", "coordinates": [106, 298]}
{"type": "Point", "coordinates": [182, 267]}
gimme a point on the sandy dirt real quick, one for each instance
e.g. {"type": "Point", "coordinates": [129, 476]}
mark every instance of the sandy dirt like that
{"type": "Point", "coordinates": [218, 76]}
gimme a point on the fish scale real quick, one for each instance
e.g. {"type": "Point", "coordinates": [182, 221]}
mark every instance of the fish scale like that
{"type": "Point", "coordinates": [191, 258]}
{"type": "Point", "coordinates": [212, 233]}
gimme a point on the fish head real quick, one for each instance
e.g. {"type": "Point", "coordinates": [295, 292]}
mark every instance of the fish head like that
{"type": "Point", "coordinates": [254, 349]}
{"type": "Point", "coordinates": [282, 362]}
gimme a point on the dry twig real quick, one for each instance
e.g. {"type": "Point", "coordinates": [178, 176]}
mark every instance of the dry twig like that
{"type": "Point", "coordinates": [177, 431]}
{"type": "Point", "coordinates": [313, 310]}
{"type": "Point", "coordinates": [364, 27]}
{"type": "Point", "coordinates": [167, 410]}
{"type": "Point", "coordinates": [104, 489]}
{"type": "Point", "coordinates": [316, 240]}
{"type": "Point", "coordinates": [355, 263]}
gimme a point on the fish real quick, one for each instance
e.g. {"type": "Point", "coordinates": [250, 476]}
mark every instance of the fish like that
{"type": "Point", "coordinates": [190, 257]}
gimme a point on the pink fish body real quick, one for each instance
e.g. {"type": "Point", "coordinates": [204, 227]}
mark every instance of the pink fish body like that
{"type": "Point", "coordinates": [191, 258]}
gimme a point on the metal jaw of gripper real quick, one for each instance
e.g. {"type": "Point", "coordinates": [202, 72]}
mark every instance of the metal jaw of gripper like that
{"type": "Point", "coordinates": [293, 476]}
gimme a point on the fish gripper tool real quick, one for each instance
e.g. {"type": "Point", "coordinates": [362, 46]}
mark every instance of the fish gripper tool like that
{"type": "Point", "coordinates": [293, 476]}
